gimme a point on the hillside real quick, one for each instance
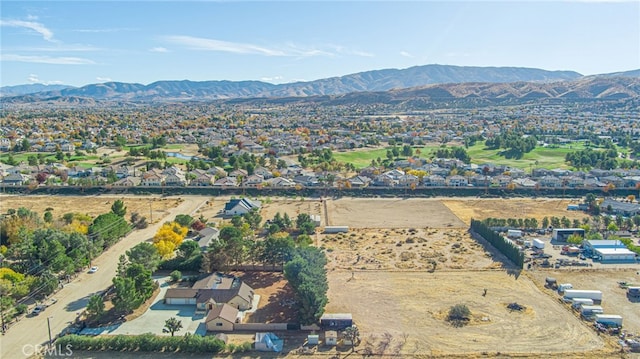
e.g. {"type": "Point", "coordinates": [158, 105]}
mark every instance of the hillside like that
{"type": "Point", "coordinates": [379, 80]}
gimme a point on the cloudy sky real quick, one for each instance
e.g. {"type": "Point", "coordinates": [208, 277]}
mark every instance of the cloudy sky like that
{"type": "Point", "coordinates": [82, 42]}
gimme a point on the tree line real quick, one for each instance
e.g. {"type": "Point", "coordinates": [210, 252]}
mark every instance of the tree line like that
{"type": "Point", "coordinates": [500, 243]}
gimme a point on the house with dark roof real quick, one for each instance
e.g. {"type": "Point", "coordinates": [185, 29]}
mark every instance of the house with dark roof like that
{"type": "Point", "coordinates": [240, 206]}
{"type": "Point", "coordinates": [213, 290]}
{"type": "Point", "coordinates": [626, 209]}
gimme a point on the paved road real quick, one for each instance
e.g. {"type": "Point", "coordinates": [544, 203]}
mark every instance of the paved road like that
{"type": "Point", "coordinates": [20, 339]}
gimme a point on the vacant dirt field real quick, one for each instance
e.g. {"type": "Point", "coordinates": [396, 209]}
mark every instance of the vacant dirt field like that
{"type": "Point", "coordinates": [481, 208]}
{"type": "Point", "coordinates": [152, 207]}
{"type": "Point", "coordinates": [391, 213]}
{"type": "Point", "coordinates": [614, 299]}
{"type": "Point", "coordinates": [409, 249]}
{"type": "Point", "coordinates": [411, 309]}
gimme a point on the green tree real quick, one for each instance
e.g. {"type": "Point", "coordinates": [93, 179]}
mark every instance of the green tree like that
{"type": "Point", "coordinates": [172, 325]}
{"type": "Point", "coordinates": [126, 298]}
{"type": "Point", "coordinates": [184, 220]}
{"type": "Point", "coordinates": [459, 314]}
{"type": "Point", "coordinates": [145, 254]}
{"type": "Point", "coordinates": [118, 208]}
{"type": "Point", "coordinates": [305, 224]}
{"type": "Point", "coordinates": [176, 275]}
{"type": "Point", "coordinates": [142, 280]}
{"type": "Point", "coordinates": [48, 217]}
{"type": "Point", "coordinates": [95, 306]}
{"type": "Point", "coordinates": [188, 248]}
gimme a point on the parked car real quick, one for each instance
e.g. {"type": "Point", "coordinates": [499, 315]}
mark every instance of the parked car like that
{"type": "Point", "coordinates": [93, 269]}
{"type": "Point", "coordinates": [38, 309]}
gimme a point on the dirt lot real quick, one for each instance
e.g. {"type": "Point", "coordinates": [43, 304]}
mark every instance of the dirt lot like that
{"type": "Point", "coordinates": [391, 213]}
{"type": "Point", "coordinates": [481, 208]}
{"type": "Point", "coordinates": [408, 249]}
{"type": "Point", "coordinates": [276, 297]}
{"type": "Point", "coordinates": [413, 306]}
{"type": "Point", "coordinates": [152, 207]}
{"type": "Point", "coordinates": [614, 299]}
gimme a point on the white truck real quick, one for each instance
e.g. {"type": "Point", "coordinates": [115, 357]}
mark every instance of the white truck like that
{"type": "Point", "coordinates": [576, 303]}
{"type": "Point", "coordinates": [609, 320]}
{"type": "Point", "coordinates": [564, 286]}
{"type": "Point", "coordinates": [588, 311]}
{"type": "Point", "coordinates": [537, 243]}
{"type": "Point", "coordinates": [594, 295]}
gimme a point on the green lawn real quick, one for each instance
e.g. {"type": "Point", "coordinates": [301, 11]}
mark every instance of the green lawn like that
{"type": "Point", "coordinates": [542, 157]}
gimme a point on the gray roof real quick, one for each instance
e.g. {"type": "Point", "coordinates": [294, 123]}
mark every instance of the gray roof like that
{"type": "Point", "coordinates": [224, 311]}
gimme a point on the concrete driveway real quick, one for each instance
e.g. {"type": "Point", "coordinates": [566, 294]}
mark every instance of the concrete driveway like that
{"type": "Point", "coordinates": [152, 321]}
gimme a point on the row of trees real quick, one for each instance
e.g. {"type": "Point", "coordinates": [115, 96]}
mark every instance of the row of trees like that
{"type": "Point", "coordinates": [588, 158]}
{"type": "Point", "coordinates": [307, 275]}
{"type": "Point", "coordinates": [514, 144]}
{"type": "Point", "coordinates": [132, 285]}
{"type": "Point", "coordinates": [148, 342]}
{"type": "Point", "coordinates": [496, 240]}
{"type": "Point", "coordinates": [453, 152]}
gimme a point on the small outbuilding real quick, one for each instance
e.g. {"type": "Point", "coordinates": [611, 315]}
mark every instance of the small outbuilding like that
{"type": "Point", "coordinates": [336, 229]}
{"type": "Point", "coordinates": [331, 337]}
{"type": "Point", "coordinates": [313, 339]}
{"type": "Point", "coordinates": [221, 318]}
{"type": "Point", "coordinates": [336, 321]}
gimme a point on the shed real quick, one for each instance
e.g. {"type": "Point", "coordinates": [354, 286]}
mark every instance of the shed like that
{"type": "Point", "coordinates": [331, 337]}
{"type": "Point", "coordinates": [268, 342]}
{"type": "Point", "coordinates": [313, 339]}
{"type": "Point", "coordinates": [336, 321]}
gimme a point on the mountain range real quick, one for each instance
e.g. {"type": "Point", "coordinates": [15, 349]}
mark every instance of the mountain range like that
{"type": "Point", "coordinates": [439, 81]}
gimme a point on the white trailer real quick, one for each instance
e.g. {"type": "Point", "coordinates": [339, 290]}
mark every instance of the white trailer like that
{"type": "Point", "coordinates": [537, 243]}
{"type": "Point", "coordinates": [594, 295]}
{"type": "Point", "coordinates": [577, 302]}
{"type": "Point", "coordinates": [336, 229]}
{"type": "Point", "coordinates": [609, 319]}
{"type": "Point", "coordinates": [590, 310]}
{"type": "Point", "coordinates": [514, 233]}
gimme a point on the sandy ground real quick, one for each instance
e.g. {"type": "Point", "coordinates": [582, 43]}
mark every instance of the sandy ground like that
{"type": "Point", "coordinates": [411, 308]}
{"type": "Point", "coordinates": [152, 207]}
{"type": "Point", "coordinates": [477, 208]}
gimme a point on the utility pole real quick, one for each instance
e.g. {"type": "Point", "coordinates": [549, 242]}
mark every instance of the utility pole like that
{"type": "Point", "coordinates": [49, 327]}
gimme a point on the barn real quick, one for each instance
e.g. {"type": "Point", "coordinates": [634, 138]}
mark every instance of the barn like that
{"type": "Point", "coordinates": [336, 321]}
{"type": "Point", "coordinates": [615, 255]}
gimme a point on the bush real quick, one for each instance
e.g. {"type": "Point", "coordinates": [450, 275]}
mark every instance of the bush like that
{"type": "Point", "coordinates": [176, 275]}
{"type": "Point", "coordinates": [459, 315]}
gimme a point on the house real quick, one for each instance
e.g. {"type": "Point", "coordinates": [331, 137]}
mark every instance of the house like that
{"type": "Point", "coordinates": [408, 180]}
{"type": "Point", "coordinates": [221, 318]}
{"type": "Point", "coordinates": [456, 181]}
{"type": "Point", "coordinates": [206, 236]}
{"type": "Point", "coordinates": [306, 180]}
{"type": "Point", "coordinates": [264, 172]}
{"type": "Point", "coordinates": [253, 180]}
{"type": "Point", "coordinates": [359, 181]}
{"type": "Point", "coordinates": [550, 181]}
{"type": "Point", "coordinates": [240, 206]}
{"type": "Point", "coordinates": [16, 179]}
{"type": "Point", "coordinates": [152, 178]}
{"type": "Point", "coordinates": [279, 182]}
{"type": "Point", "coordinates": [620, 208]}
{"type": "Point", "coordinates": [203, 179]}
{"type": "Point", "coordinates": [239, 173]}
{"type": "Point", "coordinates": [175, 179]}
{"type": "Point", "coordinates": [226, 182]}
{"type": "Point", "coordinates": [212, 290]}
{"type": "Point", "coordinates": [434, 181]}
{"type": "Point", "coordinates": [128, 182]}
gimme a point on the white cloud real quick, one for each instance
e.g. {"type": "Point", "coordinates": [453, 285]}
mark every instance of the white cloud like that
{"type": "Point", "coordinates": [46, 59]}
{"type": "Point", "coordinates": [159, 49]}
{"type": "Point", "coordinates": [199, 43]}
{"type": "Point", "coordinates": [34, 79]}
{"type": "Point", "coordinates": [272, 79]}
{"type": "Point", "coordinates": [104, 79]}
{"type": "Point", "coordinates": [406, 54]}
{"type": "Point", "coordinates": [115, 29]}
{"type": "Point", "coordinates": [59, 48]}
{"type": "Point", "coordinates": [32, 25]}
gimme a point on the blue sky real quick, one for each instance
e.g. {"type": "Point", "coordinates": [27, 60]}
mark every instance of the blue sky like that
{"type": "Point", "coordinates": [82, 42]}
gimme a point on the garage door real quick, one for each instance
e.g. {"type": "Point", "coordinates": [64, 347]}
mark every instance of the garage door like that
{"type": "Point", "coordinates": [181, 301]}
